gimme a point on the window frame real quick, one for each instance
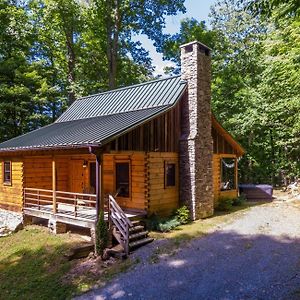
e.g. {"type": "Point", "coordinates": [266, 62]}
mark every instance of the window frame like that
{"type": "Point", "coordinates": [234, 158]}
{"type": "Point", "coordinates": [118, 161]}
{"type": "Point", "coordinates": [166, 163]}
{"type": "Point", "coordinates": [8, 183]}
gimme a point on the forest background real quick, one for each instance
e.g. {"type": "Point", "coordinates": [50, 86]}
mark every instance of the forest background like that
{"type": "Point", "coordinates": [54, 51]}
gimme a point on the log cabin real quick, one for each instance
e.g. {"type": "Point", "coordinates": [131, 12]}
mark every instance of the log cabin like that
{"type": "Point", "coordinates": [146, 148]}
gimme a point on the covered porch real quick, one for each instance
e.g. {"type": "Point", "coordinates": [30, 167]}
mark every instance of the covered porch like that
{"type": "Point", "coordinates": [71, 188]}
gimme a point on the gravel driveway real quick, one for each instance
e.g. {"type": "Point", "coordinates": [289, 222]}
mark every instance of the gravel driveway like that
{"type": "Point", "coordinates": [257, 256]}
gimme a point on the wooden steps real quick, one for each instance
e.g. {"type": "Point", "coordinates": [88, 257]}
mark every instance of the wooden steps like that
{"type": "Point", "coordinates": [130, 234]}
{"type": "Point", "coordinates": [140, 243]}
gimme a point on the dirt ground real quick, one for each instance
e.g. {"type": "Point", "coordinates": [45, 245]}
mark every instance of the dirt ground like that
{"type": "Point", "coordinates": [254, 254]}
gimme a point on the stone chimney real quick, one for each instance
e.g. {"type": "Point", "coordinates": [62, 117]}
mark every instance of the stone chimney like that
{"type": "Point", "coordinates": [196, 145]}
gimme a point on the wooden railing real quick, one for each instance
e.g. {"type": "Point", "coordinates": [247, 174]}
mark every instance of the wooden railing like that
{"type": "Point", "coordinates": [76, 205]}
{"type": "Point", "coordinates": [119, 219]}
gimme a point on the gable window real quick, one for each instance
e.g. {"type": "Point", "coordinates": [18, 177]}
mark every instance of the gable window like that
{"type": "Point", "coordinates": [170, 174]}
{"type": "Point", "coordinates": [122, 179]}
{"type": "Point", "coordinates": [7, 172]}
{"type": "Point", "coordinates": [228, 169]}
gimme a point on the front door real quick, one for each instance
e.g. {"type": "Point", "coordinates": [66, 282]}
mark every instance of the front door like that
{"type": "Point", "coordinates": [77, 177]}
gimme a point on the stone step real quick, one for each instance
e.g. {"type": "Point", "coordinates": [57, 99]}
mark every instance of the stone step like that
{"type": "Point", "coordinates": [137, 235]}
{"type": "Point", "coordinates": [141, 242]}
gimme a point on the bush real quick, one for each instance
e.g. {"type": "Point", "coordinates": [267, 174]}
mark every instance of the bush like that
{"type": "Point", "coordinates": [225, 204]}
{"type": "Point", "coordinates": [240, 200]}
{"type": "Point", "coordinates": [168, 224]}
{"type": "Point", "coordinates": [156, 223]}
{"type": "Point", "coordinates": [183, 215]}
{"type": "Point", "coordinates": [101, 234]}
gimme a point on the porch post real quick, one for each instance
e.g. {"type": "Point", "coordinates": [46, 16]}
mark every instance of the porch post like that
{"type": "Point", "coordinates": [54, 184]}
{"type": "Point", "coordinates": [99, 184]}
{"type": "Point", "coordinates": [236, 174]}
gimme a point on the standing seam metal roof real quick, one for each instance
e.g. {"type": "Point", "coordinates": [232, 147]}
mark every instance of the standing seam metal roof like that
{"type": "Point", "coordinates": [142, 96]}
{"type": "Point", "coordinates": [90, 131]}
{"type": "Point", "coordinates": [96, 119]}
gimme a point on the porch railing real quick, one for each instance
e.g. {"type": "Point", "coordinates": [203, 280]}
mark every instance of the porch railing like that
{"type": "Point", "coordinates": [75, 205]}
{"type": "Point", "coordinates": [121, 222]}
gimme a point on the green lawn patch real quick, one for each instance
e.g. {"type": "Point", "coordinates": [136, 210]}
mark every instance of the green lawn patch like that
{"type": "Point", "coordinates": [32, 264]}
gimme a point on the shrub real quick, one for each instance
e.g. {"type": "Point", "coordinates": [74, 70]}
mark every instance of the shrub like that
{"type": "Point", "coordinates": [155, 223]}
{"type": "Point", "coordinates": [168, 224]}
{"type": "Point", "coordinates": [225, 204]}
{"type": "Point", "coordinates": [101, 234]}
{"type": "Point", "coordinates": [183, 215]}
{"type": "Point", "coordinates": [240, 200]}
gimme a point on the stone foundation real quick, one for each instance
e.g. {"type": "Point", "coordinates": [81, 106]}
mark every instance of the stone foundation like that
{"type": "Point", "coordinates": [57, 227]}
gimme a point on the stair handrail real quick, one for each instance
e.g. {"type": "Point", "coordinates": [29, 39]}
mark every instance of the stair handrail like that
{"type": "Point", "coordinates": [118, 217]}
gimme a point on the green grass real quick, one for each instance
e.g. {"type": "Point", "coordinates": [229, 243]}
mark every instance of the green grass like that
{"type": "Point", "coordinates": [33, 266]}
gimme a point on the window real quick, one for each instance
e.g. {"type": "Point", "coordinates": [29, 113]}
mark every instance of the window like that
{"type": "Point", "coordinates": [228, 174]}
{"type": "Point", "coordinates": [122, 179]}
{"type": "Point", "coordinates": [7, 172]}
{"type": "Point", "coordinates": [170, 172]}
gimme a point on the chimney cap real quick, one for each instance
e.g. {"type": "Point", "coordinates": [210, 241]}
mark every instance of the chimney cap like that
{"type": "Point", "coordinates": [195, 42]}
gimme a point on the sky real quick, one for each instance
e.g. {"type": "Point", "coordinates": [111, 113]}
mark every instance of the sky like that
{"type": "Point", "coordinates": [198, 9]}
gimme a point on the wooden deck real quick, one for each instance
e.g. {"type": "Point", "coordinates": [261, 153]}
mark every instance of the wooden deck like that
{"type": "Point", "coordinates": [70, 208]}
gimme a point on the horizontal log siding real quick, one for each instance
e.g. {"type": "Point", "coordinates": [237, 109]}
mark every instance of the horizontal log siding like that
{"type": "Point", "coordinates": [138, 187]}
{"type": "Point", "coordinates": [11, 196]}
{"type": "Point", "coordinates": [161, 200]}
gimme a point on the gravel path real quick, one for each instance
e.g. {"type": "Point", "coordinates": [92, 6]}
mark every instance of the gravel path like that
{"type": "Point", "coordinates": [257, 256]}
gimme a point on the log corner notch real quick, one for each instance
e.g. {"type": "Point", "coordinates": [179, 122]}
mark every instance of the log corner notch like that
{"type": "Point", "coordinates": [98, 152]}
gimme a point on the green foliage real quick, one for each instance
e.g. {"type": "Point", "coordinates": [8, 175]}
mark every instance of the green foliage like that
{"type": "Point", "coordinates": [239, 201]}
{"type": "Point", "coordinates": [180, 217]}
{"type": "Point", "coordinates": [225, 204]}
{"type": "Point", "coordinates": [183, 215]}
{"type": "Point", "coordinates": [53, 51]}
{"type": "Point", "coordinates": [155, 223]}
{"type": "Point", "coordinates": [101, 234]}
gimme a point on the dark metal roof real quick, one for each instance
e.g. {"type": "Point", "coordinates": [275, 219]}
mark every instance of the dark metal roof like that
{"type": "Point", "coordinates": [90, 131]}
{"type": "Point", "coordinates": [96, 119]}
{"type": "Point", "coordinates": [141, 96]}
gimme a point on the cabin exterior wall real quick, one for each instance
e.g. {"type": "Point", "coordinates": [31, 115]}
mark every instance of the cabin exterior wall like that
{"type": "Point", "coordinates": [162, 199]}
{"type": "Point", "coordinates": [11, 195]}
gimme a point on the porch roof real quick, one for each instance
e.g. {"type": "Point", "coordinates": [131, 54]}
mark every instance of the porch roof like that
{"type": "Point", "coordinates": [82, 132]}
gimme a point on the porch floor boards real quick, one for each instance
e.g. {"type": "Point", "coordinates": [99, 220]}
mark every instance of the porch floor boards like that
{"type": "Point", "coordinates": [85, 216]}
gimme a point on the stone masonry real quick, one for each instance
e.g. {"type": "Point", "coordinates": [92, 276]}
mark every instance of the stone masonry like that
{"type": "Point", "coordinates": [196, 145]}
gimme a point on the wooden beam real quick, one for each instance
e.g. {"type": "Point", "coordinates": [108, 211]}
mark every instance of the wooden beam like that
{"type": "Point", "coordinates": [54, 184]}
{"type": "Point", "coordinates": [99, 184]}
{"type": "Point", "coordinates": [236, 174]}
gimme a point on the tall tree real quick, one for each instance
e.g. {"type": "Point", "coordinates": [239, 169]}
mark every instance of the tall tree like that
{"type": "Point", "coordinates": [58, 26]}
{"type": "Point", "coordinates": [121, 19]}
{"type": "Point", "coordinates": [190, 30]}
{"type": "Point", "coordinates": [19, 79]}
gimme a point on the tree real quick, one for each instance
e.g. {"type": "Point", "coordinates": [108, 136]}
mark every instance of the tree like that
{"type": "Point", "coordinates": [283, 8]}
{"type": "Point", "coordinates": [190, 30]}
{"type": "Point", "coordinates": [119, 20]}
{"type": "Point", "coordinates": [19, 79]}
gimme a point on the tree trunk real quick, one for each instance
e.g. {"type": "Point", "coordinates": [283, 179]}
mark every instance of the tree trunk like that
{"type": "Point", "coordinates": [113, 27]}
{"type": "Point", "coordinates": [71, 67]}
